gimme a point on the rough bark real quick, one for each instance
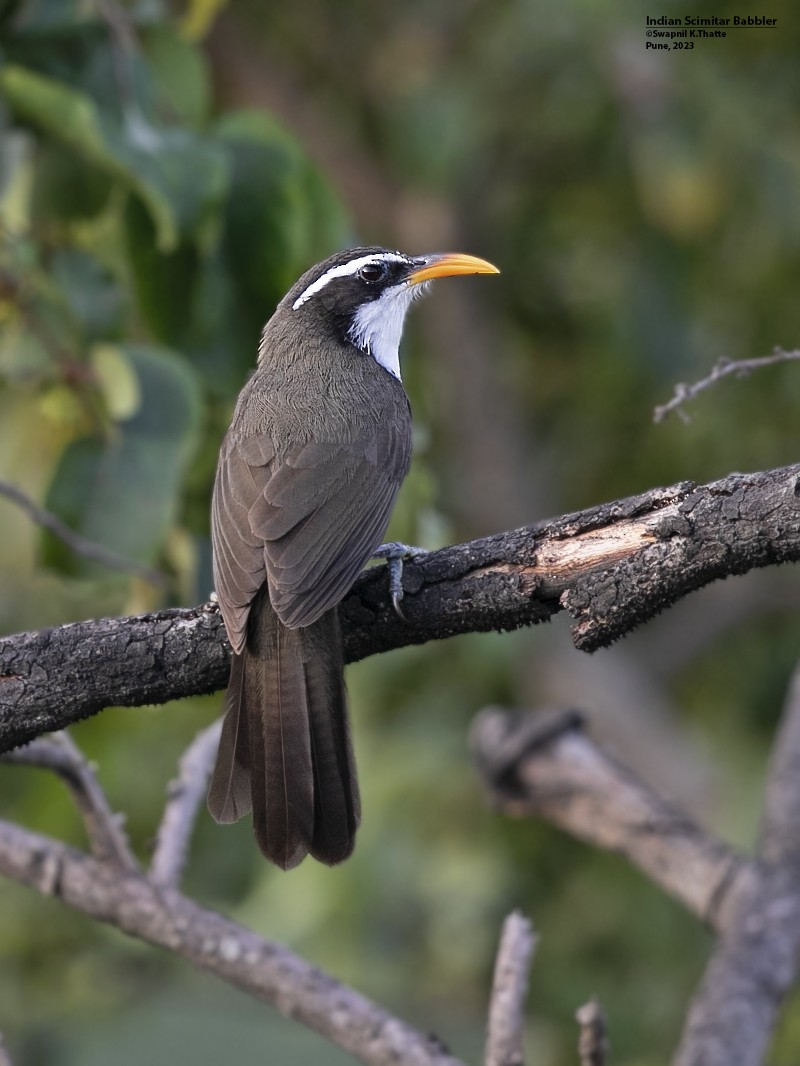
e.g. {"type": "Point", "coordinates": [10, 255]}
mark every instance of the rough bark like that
{"type": "Point", "coordinates": [611, 567]}
{"type": "Point", "coordinates": [264, 969]}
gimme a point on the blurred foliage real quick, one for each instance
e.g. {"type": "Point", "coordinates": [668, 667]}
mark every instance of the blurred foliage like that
{"type": "Point", "coordinates": [143, 237]}
{"type": "Point", "coordinates": [644, 209]}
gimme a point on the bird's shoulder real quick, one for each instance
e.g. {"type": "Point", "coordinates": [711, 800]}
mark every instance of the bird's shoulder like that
{"type": "Point", "coordinates": [341, 397]}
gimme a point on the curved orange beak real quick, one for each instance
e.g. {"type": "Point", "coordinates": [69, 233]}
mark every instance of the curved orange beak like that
{"type": "Point", "coordinates": [448, 264]}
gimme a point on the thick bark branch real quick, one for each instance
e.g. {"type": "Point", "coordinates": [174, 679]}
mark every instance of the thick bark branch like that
{"type": "Point", "coordinates": [264, 969]}
{"type": "Point", "coordinates": [611, 567]}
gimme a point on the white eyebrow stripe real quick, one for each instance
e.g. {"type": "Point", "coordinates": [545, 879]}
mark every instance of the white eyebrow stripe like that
{"type": "Point", "coordinates": [344, 269]}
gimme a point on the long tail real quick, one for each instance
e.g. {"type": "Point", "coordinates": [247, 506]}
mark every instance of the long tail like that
{"type": "Point", "coordinates": [285, 750]}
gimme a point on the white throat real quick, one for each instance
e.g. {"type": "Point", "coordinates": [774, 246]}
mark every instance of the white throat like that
{"type": "Point", "coordinates": [378, 325]}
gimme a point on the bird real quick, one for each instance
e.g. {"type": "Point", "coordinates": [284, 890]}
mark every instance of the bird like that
{"type": "Point", "coordinates": [308, 472]}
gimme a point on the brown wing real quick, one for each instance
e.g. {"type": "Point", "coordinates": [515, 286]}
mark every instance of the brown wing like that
{"type": "Point", "coordinates": [307, 522]}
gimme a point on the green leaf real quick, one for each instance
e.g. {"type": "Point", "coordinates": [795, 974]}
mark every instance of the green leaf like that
{"type": "Point", "coordinates": [23, 356]}
{"type": "Point", "coordinates": [55, 15]}
{"type": "Point", "coordinates": [180, 177]}
{"type": "Point", "coordinates": [222, 341]}
{"type": "Point", "coordinates": [199, 17]}
{"type": "Point", "coordinates": [164, 281]}
{"type": "Point", "coordinates": [278, 221]}
{"type": "Point", "coordinates": [95, 299]}
{"type": "Point", "coordinates": [66, 189]}
{"type": "Point", "coordinates": [124, 492]}
{"type": "Point", "coordinates": [178, 74]}
{"type": "Point", "coordinates": [117, 379]}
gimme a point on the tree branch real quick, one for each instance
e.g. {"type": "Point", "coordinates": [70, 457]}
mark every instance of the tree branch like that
{"type": "Point", "coordinates": [721, 369]}
{"type": "Point", "coordinates": [5, 1057]}
{"type": "Point", "coordinates": [266, 970]}
{"type": "Point", "coordinates": [611, 567]}
{"type": "Point", "coordinates": [111, 887]}
{"type": "Point", "coordinates": [544, 765]}
{"type": "Point", "coordinates": [757, 960]}
{"type": "Point", "coordinates": [509, 990]}
{"type": "Point", "coordinates": [80, 545]}
{"type": "Point", "coordinates": [106, 838]}
{"type": "Point", "coordinates": [593, 1042]}
{"type": "Point", "coordinates": [186, 794]}
{"type": "Point", "coordinates": [779, 837]}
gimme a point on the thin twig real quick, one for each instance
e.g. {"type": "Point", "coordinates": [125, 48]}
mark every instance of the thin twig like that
{"type": "Point", "coordinates": [185, 794]}
{"type": "Point", "coordinates": [723, 368]}
{"type": "Point", "coordinates": [60, 754]}
{"type": "Point", "coordinates": [593, 1041]}
{"type": "Point", "coordinates": [263, 968]}
{"type": "Point", "coordinates": [89, 549]}
{"type": "Point", "coordinates": [509, 990]}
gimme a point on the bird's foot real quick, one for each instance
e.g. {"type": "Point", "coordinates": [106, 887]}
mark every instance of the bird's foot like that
{"type": "Point", "coordinates": [395, 555]}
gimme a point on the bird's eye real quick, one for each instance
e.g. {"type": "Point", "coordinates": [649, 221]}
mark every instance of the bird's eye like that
{"type": "Point", "coordinates": [371, 272]}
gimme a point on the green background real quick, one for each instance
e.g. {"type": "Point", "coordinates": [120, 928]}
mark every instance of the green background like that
{"type": "Point", "coordinates": [166, 172]}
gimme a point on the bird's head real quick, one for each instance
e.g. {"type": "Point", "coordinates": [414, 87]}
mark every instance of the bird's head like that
{"type": "Point", "coordinates": [362, 295]}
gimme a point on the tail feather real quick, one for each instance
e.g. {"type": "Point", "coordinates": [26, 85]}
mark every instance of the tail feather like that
{"type": "Point", "coordinates": [281, 772]}
{"type": "Point", "coordinates": [337, 805]}
{"type": "Point", "coordinates": [285, 749]}
{"type": "Point", "coordinates": [229, 791]}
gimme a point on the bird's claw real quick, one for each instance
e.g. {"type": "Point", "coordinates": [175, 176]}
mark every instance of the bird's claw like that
{"type": "Point", "coordinates": [395, 553]}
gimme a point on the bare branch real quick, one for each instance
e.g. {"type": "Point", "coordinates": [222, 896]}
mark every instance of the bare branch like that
{"type": "Point", "coordinates": [757, 961]}
{"type": "Point", "coordinates": [722, 369]}
{"type": "Point", "coordinates": [544, 765]}
{"type": "Point", "coordinates": [88, 549]}
{"type": "Point", "coordinates": [611, 567]}
{"type": "Point", "coordinates": [5, 1057]}
{"type": "Point", "coordinates": [60, 754]}
{"type": "Point", "coordinates": [509, 991]}
{"type": "Point", "coordinates": [593, 1042]}
{"type": "Point", "coordinates": [779, 839]}
{"type": "Point", "coordinates": [185, 795]}
{"type": "Point", "coordinates": [264, 969]}
{"type": "Point", "coordinates": [734, 1010]}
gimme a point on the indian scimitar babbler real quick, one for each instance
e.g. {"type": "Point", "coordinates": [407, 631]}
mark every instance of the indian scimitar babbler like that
{"type": "Point", "coordinates": [308, 472]}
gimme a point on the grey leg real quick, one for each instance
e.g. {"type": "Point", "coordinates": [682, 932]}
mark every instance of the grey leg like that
{"type": "Point", "coordinates": [395, 553]}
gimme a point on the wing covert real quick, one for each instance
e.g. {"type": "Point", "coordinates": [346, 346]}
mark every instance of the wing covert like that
{"type": "Point", "coordinates": [307, 521]}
